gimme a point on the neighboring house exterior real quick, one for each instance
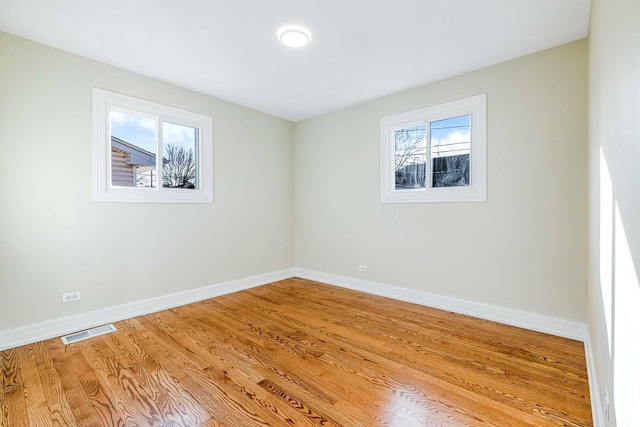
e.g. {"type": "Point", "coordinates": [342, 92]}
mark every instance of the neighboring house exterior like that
{"type": "Point", "coordinates": [129, 162]}
{"type": "Point", "coordinates": [446, 171]}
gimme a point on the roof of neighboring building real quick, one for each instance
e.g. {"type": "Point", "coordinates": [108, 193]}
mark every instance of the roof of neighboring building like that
{"type": "Point", "coordinates": [137, 155]}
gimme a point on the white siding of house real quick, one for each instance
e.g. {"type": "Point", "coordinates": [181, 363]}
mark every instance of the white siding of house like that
{"type": "Point", "coordinates": [121, 171]}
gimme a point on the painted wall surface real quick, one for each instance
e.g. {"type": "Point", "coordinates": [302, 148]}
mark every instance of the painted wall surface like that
{"type": "Point", "coordinates": [524, 249]}
{"type": "Point", "coordinates": [54, 239]}
{"type": "Point", "coordinates": [614, 231]}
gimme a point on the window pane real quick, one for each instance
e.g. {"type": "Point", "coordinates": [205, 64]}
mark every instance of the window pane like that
{"type": "Point", "coordinates": [450, 151]}
{"type": "Point", "coordinates": [179, 156]}
{"type": "Point", "coordinates": [411, 157]}
{"type": "Point", "coordinates": [133, 150]}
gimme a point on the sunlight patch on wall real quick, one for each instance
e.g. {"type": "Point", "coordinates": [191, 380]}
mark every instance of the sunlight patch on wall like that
{"type": "Point", "coordinates": [606, 244]}
{"type": "Point", "coordinates": [626, 339]}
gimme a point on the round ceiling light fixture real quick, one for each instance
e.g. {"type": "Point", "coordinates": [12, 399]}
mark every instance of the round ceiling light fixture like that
{"type": "Point", "coordinates": [294, 36]}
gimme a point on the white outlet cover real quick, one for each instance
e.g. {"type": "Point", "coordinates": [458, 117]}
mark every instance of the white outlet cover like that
{"type": "Point", "coordinates": [71, 296]}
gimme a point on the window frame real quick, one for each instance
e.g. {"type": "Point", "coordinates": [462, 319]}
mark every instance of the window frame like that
{"type": "Point", "coordinates": [103, 190]}
{"type": "Point", "coordinates": [476, 107]}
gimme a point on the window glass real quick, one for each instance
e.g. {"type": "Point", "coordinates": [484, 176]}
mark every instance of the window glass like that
{"type": "Point", "coordinates": [133, 150]}
{"type": "Point", "coordinates": [179, 156]}
{"type": "Point", "coordinates": [411, 157]}
{"type": "Point", "coordinates": [450, 151]}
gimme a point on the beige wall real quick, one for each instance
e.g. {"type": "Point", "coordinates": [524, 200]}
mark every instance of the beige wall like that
{"type": "Point", "coordinates": [614, 285]}
{"type": "Point", "coordinates": [524, 249]}
{"type": "Point", "coordinates": [53, 239]}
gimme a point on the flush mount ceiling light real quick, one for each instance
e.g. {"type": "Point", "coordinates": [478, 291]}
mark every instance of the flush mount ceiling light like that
{"type": "Point", "coordinates": [294, 36]}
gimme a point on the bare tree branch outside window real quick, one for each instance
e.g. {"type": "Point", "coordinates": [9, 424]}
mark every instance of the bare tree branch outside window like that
{"type": "Point", "coordinates": [178, 167]}
{"type": "Point", "coordinates": [410, 161]}
{"type": "Point", "coordinates": [410, 146]}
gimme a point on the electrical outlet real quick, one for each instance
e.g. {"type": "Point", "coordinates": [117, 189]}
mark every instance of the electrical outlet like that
{"type": "Point", "coordinates": [71, 296]}
{"type": "Point", "coordinates": [362, 268]}
{"type": "Point", "coordinates": [606, 404]}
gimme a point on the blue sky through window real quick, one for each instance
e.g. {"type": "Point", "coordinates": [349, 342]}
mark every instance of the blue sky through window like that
{"type": "Point", "coordinates": [136, 130]}
{"type": "Point", "coordinates": [450, 137]}
{"type": "Point", "coordinates": [179, 135]}
{"type": "Point", "coordinates": [141, 132]}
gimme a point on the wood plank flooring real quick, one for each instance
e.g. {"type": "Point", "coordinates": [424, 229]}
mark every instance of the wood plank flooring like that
{"type": "Point", "coordinates": [299, 353]}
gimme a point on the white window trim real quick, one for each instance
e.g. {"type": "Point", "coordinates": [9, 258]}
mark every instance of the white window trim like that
{"type": "Point", "coordinates": [476, 106]}
{"type": "Point", "coordinates": [103, 191]}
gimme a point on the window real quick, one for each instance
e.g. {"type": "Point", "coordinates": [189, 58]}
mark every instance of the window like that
{"type": "Point", "coordinates": [435, 154]}
{"type": "Point", "coordinates": [148, 152]}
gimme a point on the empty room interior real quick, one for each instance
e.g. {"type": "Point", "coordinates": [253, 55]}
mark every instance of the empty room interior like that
{"type": "Point", "coordinates": [296, 213]}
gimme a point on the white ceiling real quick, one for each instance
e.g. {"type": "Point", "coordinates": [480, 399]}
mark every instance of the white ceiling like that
{"type": "Point", "coordinates": [360, 49]}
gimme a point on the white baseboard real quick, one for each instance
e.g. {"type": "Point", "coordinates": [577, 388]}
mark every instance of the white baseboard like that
{"type": "Point", "coordinates": [53, 328]}
{"type": "Point", "coordinates": [535, 322]}
{"type": "Point", "coordinates": [66, 325]}
{"type": "Point", "coordinates": [594, 389]}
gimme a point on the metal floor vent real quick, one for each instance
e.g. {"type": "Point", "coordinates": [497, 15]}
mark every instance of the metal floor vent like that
{"type": "Point", "coordinates": [89, 333]}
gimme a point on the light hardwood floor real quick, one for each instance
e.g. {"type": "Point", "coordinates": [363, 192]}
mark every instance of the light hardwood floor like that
{"type": "Point", "coordinates": [298, 352]}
